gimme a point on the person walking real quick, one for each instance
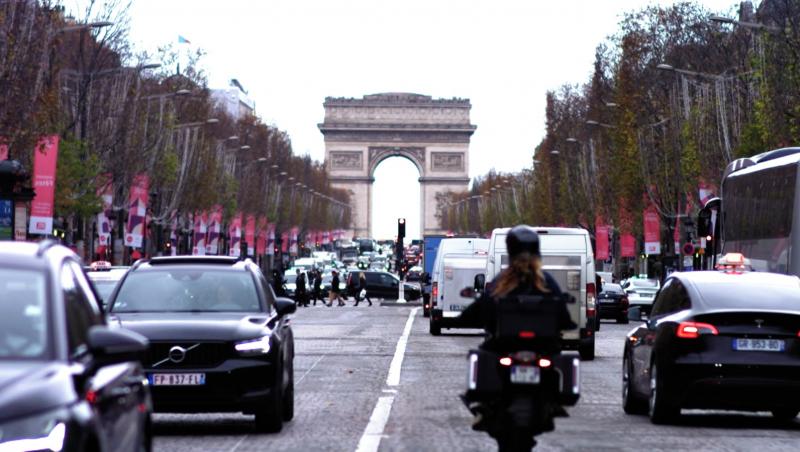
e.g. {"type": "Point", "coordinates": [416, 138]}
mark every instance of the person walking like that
{"type": "Point", "coordinates": [362, 289]}
{"type": "Point", "coordinates": [318, 287]}
{"type": "Point", "coordinates": [300, 291]}
{"type": "Point", "coordinates": [336, 292]}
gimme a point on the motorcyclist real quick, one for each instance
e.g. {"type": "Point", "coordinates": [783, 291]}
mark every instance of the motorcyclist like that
{"type": "Point", "coordinates": [523, 277]}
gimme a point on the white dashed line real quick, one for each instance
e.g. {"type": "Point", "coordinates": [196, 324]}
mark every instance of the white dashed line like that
{"type": "Point", "coordinates": [371, 439]}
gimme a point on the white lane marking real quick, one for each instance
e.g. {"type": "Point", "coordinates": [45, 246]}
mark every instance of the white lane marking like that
{"type": "Point", "coordinates": [371, 438]}
{"type": "Point", "coordinates": [238, 444]}
{"type": "Point", "coordinates": [390, 391]}
{"type": "Point", "coordinates": [393, 379]}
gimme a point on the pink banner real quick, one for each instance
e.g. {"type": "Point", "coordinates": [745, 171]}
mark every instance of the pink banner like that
{"type": "Point", "coordinates": [284, 242]}
{"type": "Point", "coordinates": [261, 240]}
{"type": "Point", "coordinates": [235, 234]}
{"type": "Point", "coordinates": [271, 240]}
{"type": "Point", "coordinates": [250, 234]}
{"type": "Point", "coordinates": [200, 232]}
{"type": "Point", "coordinates": [293, 239]}
{"type": "Point", "coordinates": [652, 231]}
{"type": "Point", "coordinates": [601, 240]}
{"type": "Point", "coordinates": [627, 245]}
{"type": "Point", "coordinates": [44, 183]}
{"type": "Point", "coordinates": [676, 235]}
{"type": "Point", "coordinates": [3, 152]}
{"type": "Point", "coordinates": [137, 211]}
{"type": "Point", "coordinates": [214, 230]}
{"type": "Point", "coordinates": [105, 191]}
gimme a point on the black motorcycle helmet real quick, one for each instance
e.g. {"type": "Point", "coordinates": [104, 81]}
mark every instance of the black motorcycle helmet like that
{"type": "Point", "coordinates": [522, 239]}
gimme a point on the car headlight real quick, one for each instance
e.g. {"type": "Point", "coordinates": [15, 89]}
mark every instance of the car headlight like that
{"type": "Point", "coordinates": [40, 432]}
{"type": "Point", "coordinates": [258, 346]}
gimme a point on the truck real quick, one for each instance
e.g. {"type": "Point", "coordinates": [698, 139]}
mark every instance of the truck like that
{"type": "Point", "coordinates": [430, 245]}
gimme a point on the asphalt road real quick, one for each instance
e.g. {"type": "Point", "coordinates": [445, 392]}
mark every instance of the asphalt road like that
{"type": "Point", "coordinates": [357, 388]}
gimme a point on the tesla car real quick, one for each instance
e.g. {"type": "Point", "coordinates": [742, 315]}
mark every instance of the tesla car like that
{"type": "Point", "coordinates": [68, 381]}
{"type": "Point", "coordinates": [220, 340]}
{"type": "Point", "coordinates": [716, 340]}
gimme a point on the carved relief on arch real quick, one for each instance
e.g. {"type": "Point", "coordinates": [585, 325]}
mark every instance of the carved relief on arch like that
{"type": "Point", "coordinates": [378, 153]}
{"type": "Point", "coordinates": [346, 160]}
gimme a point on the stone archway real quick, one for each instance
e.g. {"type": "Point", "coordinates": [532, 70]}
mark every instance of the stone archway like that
{"type": "Point", "coordinates": [434, 134]}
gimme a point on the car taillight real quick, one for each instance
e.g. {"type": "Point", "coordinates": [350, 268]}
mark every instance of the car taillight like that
{"type": "Point", "coordinates": [625, 301]}
{"type": "Point", "coordinates": [591, 298]}
{"type": "Point", "coordinates": [693, 330]}
{"type": "Point", "coordinates": [435, 291]}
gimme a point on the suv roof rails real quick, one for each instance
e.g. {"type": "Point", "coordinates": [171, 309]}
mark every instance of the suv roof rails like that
{"type": "Point", "coordinates": [169, 260]}
{"type": "Point", "coordinates": [45, 245]}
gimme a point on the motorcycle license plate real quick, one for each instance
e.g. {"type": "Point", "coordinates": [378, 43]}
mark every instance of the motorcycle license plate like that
{"type": "Point", "coordinates": [525, 375]}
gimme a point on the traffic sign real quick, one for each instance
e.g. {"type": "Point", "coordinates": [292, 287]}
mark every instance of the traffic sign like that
{"type": "Point", "coordinates": [688, 248]}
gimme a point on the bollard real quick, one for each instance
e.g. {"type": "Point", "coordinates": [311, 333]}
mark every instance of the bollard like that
{"type": "Point", "coordinates": [401, 295]}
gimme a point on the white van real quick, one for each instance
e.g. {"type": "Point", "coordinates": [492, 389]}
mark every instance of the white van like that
{"type": "Point", "coordinates": [466, 255]}
{"type": "Point", "coordinates": [567, 255]}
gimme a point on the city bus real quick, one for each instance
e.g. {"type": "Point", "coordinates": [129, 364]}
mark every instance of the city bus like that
{"type": "Point", "coordinates": [759, 198]}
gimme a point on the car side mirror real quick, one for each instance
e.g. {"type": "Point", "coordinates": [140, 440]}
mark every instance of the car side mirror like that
{"type": "Point", "coordinates": [480, 282]}
{"type": "Point", "coordinates": [114, 346]}
{"type": "Point", "coordinates": [284, 306]}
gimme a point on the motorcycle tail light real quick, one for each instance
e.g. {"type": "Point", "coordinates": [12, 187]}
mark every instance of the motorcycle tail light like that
{"type": "Point", "coordinates": [544, 362]}
{"type": "Point", "coordinates": [506, 361]}
{"type": "Point", "coordinates": [527, 334]}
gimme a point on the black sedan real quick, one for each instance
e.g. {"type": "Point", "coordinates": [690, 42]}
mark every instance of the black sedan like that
{"type": "Point", "coordinates": [716, 340]}
{"type": "Point", "coordinates": [220, 340]}
{"type": "Point", "coordinates": [384, 285]}
{"type": "Point", "coordinates": [612, 303]}
{"type": "Point", "coordinates": [68, 381]}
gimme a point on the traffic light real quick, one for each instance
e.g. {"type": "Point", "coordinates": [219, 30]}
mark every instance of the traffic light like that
{"type": "Point", "coordinates": [401, 229]}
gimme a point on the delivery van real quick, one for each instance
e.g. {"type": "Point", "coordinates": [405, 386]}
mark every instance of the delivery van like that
{"type": "Point", "coordinates": [472, 252]}
{"type": "Point", "coordinates": [567, 255]}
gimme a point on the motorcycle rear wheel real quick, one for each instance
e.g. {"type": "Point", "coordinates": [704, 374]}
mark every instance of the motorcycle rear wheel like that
{"type": "Point", "coordinates": [515, 440]}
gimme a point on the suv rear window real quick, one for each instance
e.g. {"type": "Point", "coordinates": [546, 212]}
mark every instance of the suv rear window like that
{"type": "Point", "coordinates": [187, 290]}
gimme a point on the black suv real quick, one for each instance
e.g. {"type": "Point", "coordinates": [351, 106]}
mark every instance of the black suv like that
{"type": "Point", "coordinates": [383, 285]}
{"type": "Point", "coordinates": [68, 381]}
{"type": "Point", "coordinates": [220, 340]}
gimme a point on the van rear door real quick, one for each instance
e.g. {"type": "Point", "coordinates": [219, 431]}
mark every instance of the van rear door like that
{"type": "Point", "coordinates": [458, 273]}
{"type": "Point", "coordinates": [568, 271]}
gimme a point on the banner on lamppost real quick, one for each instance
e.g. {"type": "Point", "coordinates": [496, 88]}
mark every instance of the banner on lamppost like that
{"type": "Point", "coordinates": [250, 234]}
{"type": "Point", "coordinates": [293, 241]}
{"type": "Point", "coordinates": [601, 240]}
{"type": "Point", "coordinates": [200, 231]}
{"type": "Point", "coordinates": [137, 211]}
{"type": "Point", "coordinates": [235, 234]}
{"type": "Point", "coordinates": [271, 240]}
{"type": "Point", "coordinates": [284, 242]}
{"type": "Point", "coordinates": [214, 230]}
{"type": "Point", "coordinates": [261, 241]}
{"type": "Point", "coordinates": [652, 231]}
{"type": "Point", "coordinates": [627, 245]}
{"type": "Point", "coordinates": [173, 233]}
{"type": "Point", "coordinates": [44, 182]}
{"type": "Point", "coordinates": [105, 191]}
{"type": "Point", "coordinates": [3, 151]}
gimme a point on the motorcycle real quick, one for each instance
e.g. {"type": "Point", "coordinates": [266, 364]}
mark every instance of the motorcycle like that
{"type": "Point", "coordinates": [516, 393]}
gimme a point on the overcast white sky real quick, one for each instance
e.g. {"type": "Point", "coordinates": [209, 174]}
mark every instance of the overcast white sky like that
{"type": "Point", "coordinates": [291, 54]}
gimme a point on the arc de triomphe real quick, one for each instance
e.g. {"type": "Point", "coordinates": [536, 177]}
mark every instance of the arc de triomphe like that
{"type": "Point", "coordinates": [433, 134]}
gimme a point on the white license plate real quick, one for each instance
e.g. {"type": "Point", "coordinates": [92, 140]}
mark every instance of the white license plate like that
{"type": "Point", "coordinates": [759, 345]}
{"type": "Point", "coordinates": [455, 307]}
{"type": "Point", "coordinates": [177, 379]}
{"type": "Point", "coordinates": [526, 375]}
